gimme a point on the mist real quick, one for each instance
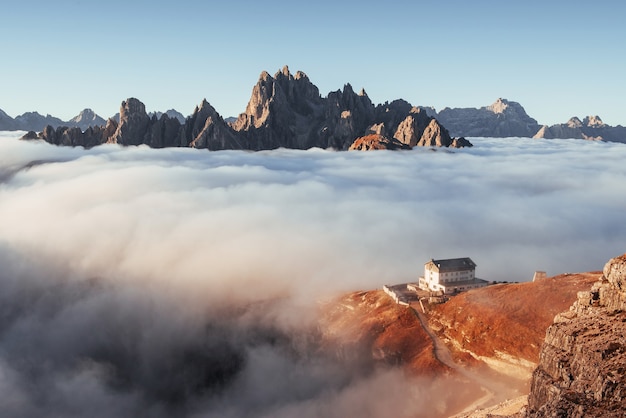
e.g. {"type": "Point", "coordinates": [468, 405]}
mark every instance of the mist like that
{"type": "Point", "coordinates": [178, 281]}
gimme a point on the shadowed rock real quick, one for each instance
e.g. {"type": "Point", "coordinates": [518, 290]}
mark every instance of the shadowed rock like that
{"type": "Point", "coordinates": [583, 358]}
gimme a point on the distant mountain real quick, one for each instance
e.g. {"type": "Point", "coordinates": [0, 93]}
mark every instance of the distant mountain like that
{"type": "Point", "coordinates": [85, 119]}
{"type": "Point", "coordinates": [507, 118]}
{"type": "Point", "coordinates": [170, 113]}
{"type": "Point", "coordinates": [502, 119]}
{"type": "Point", "coordinates": [7, 123]}
{"type": "Point", "coordinates": [33, 121]}
{"type": "Point", "coordinates": [590, 127]}
{"type": "Point", "coordinates": [285, 110]}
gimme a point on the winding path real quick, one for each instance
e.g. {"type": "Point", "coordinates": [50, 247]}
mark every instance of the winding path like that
{"type": "Point", "coordinates": [441, 353]}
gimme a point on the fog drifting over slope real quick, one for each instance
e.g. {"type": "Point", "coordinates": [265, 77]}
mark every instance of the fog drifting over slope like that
{"type": "Point", "coordinates": [180, 280]}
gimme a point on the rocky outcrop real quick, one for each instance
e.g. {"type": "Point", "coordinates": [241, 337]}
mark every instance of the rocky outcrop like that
{"type": "Point", "coordinates": [63, 135]}
{"type": "Point", "coordinates": [414, 129]}
{"type": "Point", "coordinates": [591, 128]}
{"type": "Point", "coordinates": [377, 142]}
{"type": "Point", "coordinates": [163, 132]}
{"type": "Point", "coordinates": [582, 367]}
{"type": "Point", "coordinates": [501, 119]}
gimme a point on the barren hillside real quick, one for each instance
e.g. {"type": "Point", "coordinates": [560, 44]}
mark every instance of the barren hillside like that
{"type": "Point", "coordinates": [392, 333]}
{"type": "Point", "coordinates": [506, 319]}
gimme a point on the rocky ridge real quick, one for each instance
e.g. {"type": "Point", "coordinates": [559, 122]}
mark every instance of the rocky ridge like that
{"type": "Point", "coordinates": [33, 121]}
{"type": "Point", "coordinates": [582, 366]}
{"type": "Point", "coordinates": [285, 110]}
{"type": "Point", "coordinates": [591, 128]}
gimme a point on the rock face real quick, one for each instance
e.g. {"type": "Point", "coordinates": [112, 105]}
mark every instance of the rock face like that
{"type": "Point", "coordinates": [206, 129]}
{"type": "Point", "coordinates": [501, 119]}
{"type": "Point", "coordinates": [582, 366]}
{"type": "Point", "coordinates": [133, 126]}
{"type": "Point", "coordinates": [285, 110]}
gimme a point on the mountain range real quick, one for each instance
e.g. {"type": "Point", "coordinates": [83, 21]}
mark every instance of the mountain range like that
{"type": "Point", "coordinates": [287, 110]}
{"type": "Point", "coordinates": [33, 121]}
{"type": "Point", "coordinates": [509, 119]}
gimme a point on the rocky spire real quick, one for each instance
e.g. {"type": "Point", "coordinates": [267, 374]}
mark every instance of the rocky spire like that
{"type": "Point", "coordinates": [207, 129]}
{"type": "Point", "coordinates": [134, 123]}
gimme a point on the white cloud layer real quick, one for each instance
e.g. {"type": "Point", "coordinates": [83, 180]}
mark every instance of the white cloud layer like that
{"type": "Point", "coordinates": [127, 238]}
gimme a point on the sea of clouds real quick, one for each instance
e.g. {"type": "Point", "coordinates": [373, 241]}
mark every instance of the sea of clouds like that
{"type": "Point", "coordinates": [136, 281]}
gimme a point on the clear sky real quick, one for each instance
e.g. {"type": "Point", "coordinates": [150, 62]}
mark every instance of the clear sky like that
{"type": "Point", "coordinates": [557, 58]}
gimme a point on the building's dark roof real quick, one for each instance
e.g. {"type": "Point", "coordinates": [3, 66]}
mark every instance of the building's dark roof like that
{"type": "Point", "coordinates": [466, 283]}
{"type": "Point", "coordinates": [453, 264]}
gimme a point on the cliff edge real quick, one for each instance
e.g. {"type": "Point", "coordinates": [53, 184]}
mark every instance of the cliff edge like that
{"type": "Point", "coordinates": [582, 364]}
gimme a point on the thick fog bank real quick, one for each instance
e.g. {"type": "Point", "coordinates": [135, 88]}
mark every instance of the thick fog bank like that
{"type": "Point", "coordinates": [177, 281]}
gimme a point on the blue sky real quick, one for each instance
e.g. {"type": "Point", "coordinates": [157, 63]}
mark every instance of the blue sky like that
{"type": "Point", "coordinates": [558, 58]}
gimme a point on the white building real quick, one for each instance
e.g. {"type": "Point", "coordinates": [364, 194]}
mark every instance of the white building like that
{"type": "Point", "coordinates": [450, 276]}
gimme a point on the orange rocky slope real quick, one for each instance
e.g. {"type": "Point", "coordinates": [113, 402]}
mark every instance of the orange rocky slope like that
{"type": "Point", "coordinates": [502, 326]}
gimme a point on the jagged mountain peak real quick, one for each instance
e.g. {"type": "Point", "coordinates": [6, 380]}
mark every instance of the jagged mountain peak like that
{"type": "Point", "coordinates": [285, 72]}
{"type": "Point", "coordinates": [86, 118]}
{"type": "Point", "coordinates": [574, 122]}
{"type": "Point", "coordinates": [205, 104]}
{"type": "Point", "coordinates": [593, 121]}
{"type": "Point", "coordinates": [501, 106]}
{"type": "Point", "coordinates": [264, 76]}
{"type": "Point", "coordinates": [300, 75]}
